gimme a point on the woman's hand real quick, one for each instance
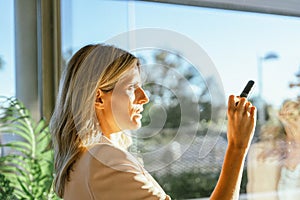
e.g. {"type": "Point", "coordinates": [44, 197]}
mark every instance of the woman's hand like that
{"type": "Point", "coordinates": [241, 122]}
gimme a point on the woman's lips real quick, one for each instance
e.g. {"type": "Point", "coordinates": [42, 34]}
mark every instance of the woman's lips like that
{"type": "Point", "coordinates": [138, 115]}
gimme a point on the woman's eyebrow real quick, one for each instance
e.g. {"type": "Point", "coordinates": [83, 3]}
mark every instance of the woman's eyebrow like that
{"type": "Point", "coordinates": [135, 83]}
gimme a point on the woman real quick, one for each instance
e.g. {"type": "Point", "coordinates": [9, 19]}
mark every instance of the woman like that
{"type": "Point", "coordinates": [264, 164]}
{"type": "Point", "coordinates": [289, 182]}
{"type": "Point", "coordinates": [100, 98]}
{"type": "Point", "coordinates": [274, 162]}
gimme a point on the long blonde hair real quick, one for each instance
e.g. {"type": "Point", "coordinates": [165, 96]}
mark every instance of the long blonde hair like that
{"type": "Point", "coordinates": [74, 124]}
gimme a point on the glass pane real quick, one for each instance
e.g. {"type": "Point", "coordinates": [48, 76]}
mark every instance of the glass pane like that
{"type": "Point", "coordinates": [7, 65]}
{"type": "Point", "coordinates": [238, 46]}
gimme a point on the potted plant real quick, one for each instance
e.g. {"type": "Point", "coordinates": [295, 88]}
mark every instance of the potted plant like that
{"type": "Point", "coordinates": [27, 169]}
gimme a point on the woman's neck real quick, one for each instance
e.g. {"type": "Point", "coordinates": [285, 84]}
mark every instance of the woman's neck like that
{"type": "Point", "coordinates": [108, 130]}
{"type": "Point", "coordinates": [121, 139]}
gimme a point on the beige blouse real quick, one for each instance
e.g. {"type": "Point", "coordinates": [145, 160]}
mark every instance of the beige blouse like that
{"type": "Point", "coordinates": [263, 174]}
{"type": "Point", "coordinates": [107, 172]}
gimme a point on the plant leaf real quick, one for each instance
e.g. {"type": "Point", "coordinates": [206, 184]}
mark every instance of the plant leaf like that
{"type": "Point", "coordinates": [19, 146]}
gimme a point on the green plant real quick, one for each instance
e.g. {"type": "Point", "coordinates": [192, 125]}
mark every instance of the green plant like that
{"type": "Point", "coordinates": [6, 191]}
{"type": "Point", "coordinates": [28, 167]}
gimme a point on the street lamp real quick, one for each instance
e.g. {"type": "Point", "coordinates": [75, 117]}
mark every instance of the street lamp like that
{"type": "Point", "coordinates": [261, 103]}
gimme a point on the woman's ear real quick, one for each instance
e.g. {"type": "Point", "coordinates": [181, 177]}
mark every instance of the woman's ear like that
{"type": "Point", "coordinates": [99, 101]}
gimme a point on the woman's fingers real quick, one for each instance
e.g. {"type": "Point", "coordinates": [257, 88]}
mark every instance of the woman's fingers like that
{"type": "Point", "coordinates": [231, 102]}
{"type": "Point", "coordinates": [241, 104]}
{"type": "Point", "coordinates": [247, 107]}
{"type": "Point", "coordinates": [241, 121]}
{"type": "Point", "coordinates": [253, 112]}
{"type": "Point", "coordinates": [238, 103]}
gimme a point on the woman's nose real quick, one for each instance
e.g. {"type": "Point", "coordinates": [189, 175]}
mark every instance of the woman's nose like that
{"type": "Point", "coordinates": [141, 96]}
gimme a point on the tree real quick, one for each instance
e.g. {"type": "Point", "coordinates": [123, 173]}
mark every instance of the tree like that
{"type": "Point", "coordinates": [174, 84]}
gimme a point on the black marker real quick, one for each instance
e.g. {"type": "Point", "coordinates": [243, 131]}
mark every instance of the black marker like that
{"type": "Point", "coordinates": [246, 90]}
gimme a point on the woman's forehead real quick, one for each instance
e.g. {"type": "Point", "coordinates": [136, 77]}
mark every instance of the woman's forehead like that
{"type": "Point", "coordinates": [132, 75]}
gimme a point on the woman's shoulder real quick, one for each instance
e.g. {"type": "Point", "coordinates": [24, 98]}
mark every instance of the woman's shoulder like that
{"type": "Point", "coordinates": [256, 148]}
{"type": "Point", "coordinates": [107, 150]}
{"type": "Point", "coordinates": [113, 157]}
{"type": "Point", "coordinates": [267, 145]}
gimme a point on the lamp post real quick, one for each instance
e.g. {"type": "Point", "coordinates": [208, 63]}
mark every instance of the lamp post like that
{"type": "Point", "coordinates": [261, 103]}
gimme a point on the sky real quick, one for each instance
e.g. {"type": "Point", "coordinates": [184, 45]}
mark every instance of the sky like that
{"type": "Point", "coordinates": [233, 40]}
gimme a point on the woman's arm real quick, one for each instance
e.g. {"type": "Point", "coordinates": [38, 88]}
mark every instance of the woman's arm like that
{"type": "Point", "coordinates": [241, 124]}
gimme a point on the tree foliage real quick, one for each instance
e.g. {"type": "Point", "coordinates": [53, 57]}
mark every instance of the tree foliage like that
{"type": "Point", "coordinates": [193, 183]}
{"type": "Point", "coordinates": [174, 84]}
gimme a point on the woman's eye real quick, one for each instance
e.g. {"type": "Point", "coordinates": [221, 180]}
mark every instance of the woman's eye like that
{"type": "Point", "coordinates": [131, 87]}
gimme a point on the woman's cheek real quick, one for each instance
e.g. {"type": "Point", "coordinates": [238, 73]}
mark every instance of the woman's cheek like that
{"type": "Point", "coordinates": [131, 96]}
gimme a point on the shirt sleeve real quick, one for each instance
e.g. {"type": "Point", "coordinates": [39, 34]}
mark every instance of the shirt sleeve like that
{"type": "Point", "coordinates": [116, 174]}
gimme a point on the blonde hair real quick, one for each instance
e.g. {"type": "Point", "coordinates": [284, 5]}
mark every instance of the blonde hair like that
{"type": "Point", "coordinates": [74, 124]}
{"type": "Point", "coordinates": [290, 110]}
{"type": "Point", "coordinates": [273, 134]}
{"type": "Point", "coordinates": [272, 140]}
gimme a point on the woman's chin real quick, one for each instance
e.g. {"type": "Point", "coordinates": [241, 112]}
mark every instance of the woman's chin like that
{"type": "Point", "coordinates": [136, 122]}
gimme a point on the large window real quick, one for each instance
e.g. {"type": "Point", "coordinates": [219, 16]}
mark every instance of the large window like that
{"type": "Point", "coordinates": [7, 64]}
{"type": "Point", "coordinates": [238, 46]}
